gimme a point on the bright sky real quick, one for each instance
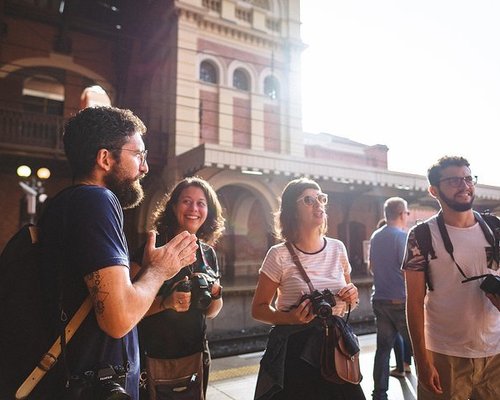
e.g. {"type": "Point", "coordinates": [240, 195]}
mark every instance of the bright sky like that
{"type": "Point", "coordinates": [421, 77]}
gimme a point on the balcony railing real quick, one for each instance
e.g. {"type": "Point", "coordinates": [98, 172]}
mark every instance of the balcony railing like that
{"type": "Point", "coordinates": [24, 131]}
{"type": "Point", "coordinates": [41, 134]}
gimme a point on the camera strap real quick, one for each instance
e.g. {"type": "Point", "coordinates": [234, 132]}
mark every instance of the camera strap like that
{"type": "Point", "coordinates": [297, 262]}
{"type": "Point", "coordinates": [489, 235]}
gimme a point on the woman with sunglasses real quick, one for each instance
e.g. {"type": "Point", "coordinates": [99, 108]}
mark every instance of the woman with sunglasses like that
{"type": "Point", "coordinates": [175, 326]}
{"type": "Point", "coordinates": [290, 366]}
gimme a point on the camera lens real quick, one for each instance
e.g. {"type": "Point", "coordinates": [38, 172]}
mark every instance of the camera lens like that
{"type": "Point", "coordinates": [321, 307]}
{"type": "Point", "coordinates": [202, 295]}
{"type": "Point", "coordinates": [113, 391]}
{"type": "Point", "coordinates": [204, 301]}
{"type": "Point", "coordinates": [108, 387]}
{"type": "Point", "coordinates": [324, 310]}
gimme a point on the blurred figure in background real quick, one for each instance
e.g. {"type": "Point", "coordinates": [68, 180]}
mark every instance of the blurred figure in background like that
{"type": "Point", "coordinates": [387, 246]}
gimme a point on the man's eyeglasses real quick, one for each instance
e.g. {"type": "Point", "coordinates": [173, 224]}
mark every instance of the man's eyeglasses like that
{"type": "Point", "coordinates": [143, 154]}
{"type": "Point", "coordinates": [456, 181]}
{"type": "Point", "coordinates": [321, 198]}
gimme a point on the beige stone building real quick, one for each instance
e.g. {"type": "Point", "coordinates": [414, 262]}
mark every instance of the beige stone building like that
{"type": "Point", "coordinates": [217, 82]}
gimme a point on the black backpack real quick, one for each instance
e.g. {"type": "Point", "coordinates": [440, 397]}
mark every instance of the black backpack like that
{"type": "Point", "coordinates": [490, 225]}
{"type": "Point", "coordinates": [25, 334]}
{"type": "Point", "coordinates": [26, 330]}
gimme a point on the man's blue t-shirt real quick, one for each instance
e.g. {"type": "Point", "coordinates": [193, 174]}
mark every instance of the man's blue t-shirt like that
{"type": "Point", "coordinates": [82, 231]}
{"type": "Point", "coordinates": [387, 247]}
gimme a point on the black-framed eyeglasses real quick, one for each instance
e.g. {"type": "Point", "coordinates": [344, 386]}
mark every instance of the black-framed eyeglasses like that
{"type": "Point", "coordinates": [308, 200]}
{"type": "Point", "coordinates": [143, 154]}
{"type": "Point", "coordinates": [456, 181]}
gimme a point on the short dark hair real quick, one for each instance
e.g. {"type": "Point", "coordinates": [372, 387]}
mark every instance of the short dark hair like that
{"type": "Point", "coordinates": [285, 223]}
{"type": "Point", "coordinates": [434, 172]}
{"type": "Point", "coordinates": [165, 221]}
{"type": "Point", "coordinates": [95, 128]}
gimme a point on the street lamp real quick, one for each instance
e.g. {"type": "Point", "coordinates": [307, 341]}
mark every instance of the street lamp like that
{"type": "Point", "coordinates": [33, 188]}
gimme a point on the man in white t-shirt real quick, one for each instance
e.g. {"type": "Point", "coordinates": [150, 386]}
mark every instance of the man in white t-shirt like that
{"type": "Point", "coordinates": [454, 326]}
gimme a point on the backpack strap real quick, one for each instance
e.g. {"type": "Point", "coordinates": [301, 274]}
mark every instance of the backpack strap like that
{"type": "Point", "coordinates": [424, 240]}
{"type": "Point", "coordinates": [67, 330]}
{"type": "Point", "coordinates": [50, 358]}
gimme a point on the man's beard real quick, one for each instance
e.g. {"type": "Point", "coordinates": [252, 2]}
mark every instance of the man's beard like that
{"type": "Point", "coordinates": [455, 205]}
{"type": "Point", "coordinates": [128, 191]}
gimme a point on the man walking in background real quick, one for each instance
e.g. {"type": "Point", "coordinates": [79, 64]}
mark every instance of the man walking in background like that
{"type": "Point", "coordinates": [387, 246]}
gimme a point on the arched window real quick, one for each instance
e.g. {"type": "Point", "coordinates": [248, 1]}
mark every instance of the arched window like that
{"type": "Point", "coordinates": [43, 94]}
{"type": "Point", "coordinates": [241, 80]}
{"type": "Point", "coordinates": [271, 87]}
{"type": "Point", "coordinates": [208, 72]}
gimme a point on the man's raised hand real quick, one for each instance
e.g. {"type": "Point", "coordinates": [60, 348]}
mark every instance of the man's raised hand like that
{"type": "Point", "coordinates": [172, 256]}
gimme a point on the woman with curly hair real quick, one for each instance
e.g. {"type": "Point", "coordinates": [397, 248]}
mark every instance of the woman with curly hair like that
{"type": "Point", "coordinates": [175, 326]}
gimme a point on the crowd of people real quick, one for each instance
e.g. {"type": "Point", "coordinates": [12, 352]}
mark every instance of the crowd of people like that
{"type": "Point", "coordinates": [150, 308]}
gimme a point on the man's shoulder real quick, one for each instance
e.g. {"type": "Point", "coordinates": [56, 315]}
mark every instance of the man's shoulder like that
{"type": "Point", "coordinates": [78, 193]}
{"type": "Point", "coordinates": [387, 233]}
{"type": "Point", "coordinates": [92, 191]}
{"type": "Point", "coordinates": [81, 203]}
{"type": "Point", "coordinates": [431, 222]}
{"type": "Point", "coordinates": [92, 197]}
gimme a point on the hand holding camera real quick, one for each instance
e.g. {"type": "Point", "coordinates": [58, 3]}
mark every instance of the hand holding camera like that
{"type": "Point", "coordinates": [321, 302]}
{"type": "Point", "coordinates": [181, 296]}
{"type": "Point", "coordinates": [200, 285]}
{"type": "Point", "coordinates": [349, 294]}
{"type": "Point", "coordinates": [195, 289]}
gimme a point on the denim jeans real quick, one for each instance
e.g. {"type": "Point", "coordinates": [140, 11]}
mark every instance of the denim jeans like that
{"type": "Point", "coordinates": [390, 319]}
{"type": "Point", "coordinates": [402, 352]}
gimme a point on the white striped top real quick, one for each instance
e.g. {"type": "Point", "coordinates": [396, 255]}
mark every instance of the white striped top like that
{"type": "Point", "coordinates": [325, 269]}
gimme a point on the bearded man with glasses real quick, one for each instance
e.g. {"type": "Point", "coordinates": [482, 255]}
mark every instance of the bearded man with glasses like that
{"type": "Point", "coordinates": [84, 248]}
{"type": "Point", "coordinates": [454, 325]}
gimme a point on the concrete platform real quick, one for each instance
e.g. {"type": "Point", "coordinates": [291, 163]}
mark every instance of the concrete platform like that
{"type": "Point", "coordinates": [234, 378]}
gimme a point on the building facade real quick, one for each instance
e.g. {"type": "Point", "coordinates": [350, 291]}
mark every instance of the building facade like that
{"type": "Point", "coordinates": [217, 83]}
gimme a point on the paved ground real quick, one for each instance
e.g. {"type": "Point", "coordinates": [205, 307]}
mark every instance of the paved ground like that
{"type": "Point", "coordinates": [233, 378]}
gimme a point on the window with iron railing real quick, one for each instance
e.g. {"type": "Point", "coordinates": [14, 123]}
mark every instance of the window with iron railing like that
{"type": "Point", "coordinates": [273, 24]}
{"type": "Point", "coordinates": [244, 14]}
{"type": "Point", "coordinates": [259, 3]}
{"type": "Point", "coordinates": [214, 5]}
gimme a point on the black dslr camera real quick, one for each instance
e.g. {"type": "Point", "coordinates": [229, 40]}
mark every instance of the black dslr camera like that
{"type": "Point", "coordinates": [322, 302]}
{"type": "Point", "coordinates": [491, 284]}
{"type": "Point", "coordinates": [200, 285]}
{"type": "Point", "coordinates": [103, 384]}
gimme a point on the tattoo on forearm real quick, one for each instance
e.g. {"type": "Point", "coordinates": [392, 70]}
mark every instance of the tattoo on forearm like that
{"type": "Point", "coordinates": [98, 295]}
